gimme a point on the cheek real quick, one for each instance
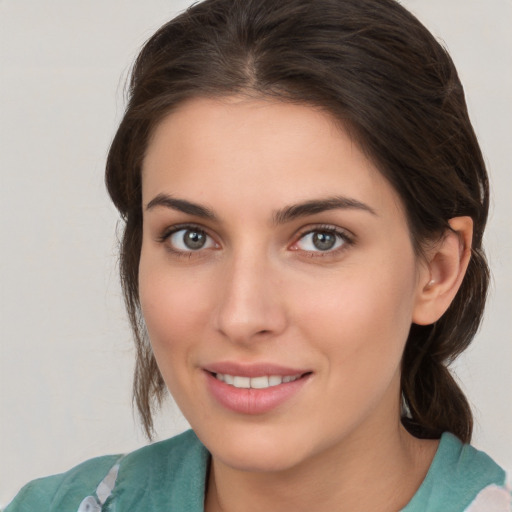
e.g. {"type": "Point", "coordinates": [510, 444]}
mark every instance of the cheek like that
{"type": "Point", "coordinates": [174, 307]}
{"type": "Point", "coordinates": [360, 320]}
{"type": "Point", "coordinates": [361, 336]}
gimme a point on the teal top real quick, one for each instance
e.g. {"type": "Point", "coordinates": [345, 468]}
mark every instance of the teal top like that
{"type": "Point", "coordinates": [171, 476]}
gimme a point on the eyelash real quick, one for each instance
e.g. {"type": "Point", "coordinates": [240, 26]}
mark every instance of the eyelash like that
{"type": "Point", "coordinates": [168, 233]}
{"type": "Point", "coordinates": [340, 234]}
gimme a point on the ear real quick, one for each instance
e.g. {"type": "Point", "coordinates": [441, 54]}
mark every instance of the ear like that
{"type": "Point", "coordinates": [442, 275]}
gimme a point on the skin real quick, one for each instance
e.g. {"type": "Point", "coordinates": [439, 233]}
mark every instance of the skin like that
{"type": "Point", "coordinates": [261, 291]}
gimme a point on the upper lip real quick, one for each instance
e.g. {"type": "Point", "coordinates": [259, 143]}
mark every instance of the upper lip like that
{"type": "Point", "coordinates": [253, 369]}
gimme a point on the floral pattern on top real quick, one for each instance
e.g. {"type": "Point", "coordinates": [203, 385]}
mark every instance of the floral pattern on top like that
{"type": "Point", "coordinates": [492, 498]}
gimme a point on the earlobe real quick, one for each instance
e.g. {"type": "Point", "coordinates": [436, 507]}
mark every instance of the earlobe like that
{"type": "Point", "coordinates": [444, 271]}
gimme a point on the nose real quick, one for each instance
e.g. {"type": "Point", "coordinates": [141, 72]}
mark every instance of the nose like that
{"type": "Point", "coordinates": [250, 304]}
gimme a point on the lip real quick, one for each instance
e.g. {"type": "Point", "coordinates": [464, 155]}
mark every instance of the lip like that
{"type": "Point", "coordinates": [251, 401]}
{"type": "Point", "coordinates": [253, 369]}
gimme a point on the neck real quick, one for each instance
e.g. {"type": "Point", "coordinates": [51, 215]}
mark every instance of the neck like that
{"type": "Point", "coordinates": [378, 472]}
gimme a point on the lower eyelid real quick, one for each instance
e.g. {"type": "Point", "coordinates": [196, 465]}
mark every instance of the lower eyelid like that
{"type": "Point", "coordinates": [342, 236]}
{"type": "Point", "coordinates": [167, 235]}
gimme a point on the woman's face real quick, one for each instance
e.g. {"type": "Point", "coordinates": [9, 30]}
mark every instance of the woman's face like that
{"type": "Point", "coordinates": [277, 280]}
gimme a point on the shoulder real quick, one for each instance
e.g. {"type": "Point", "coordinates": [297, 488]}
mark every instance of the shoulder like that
{"type": "Point", "coordinates": [461, 479]}
{"type": "Point", "coordinates": [493, 498]}
{"type": "Point", "coordinates": [46, 493]}
{"type": "Point", "coordinates": [478, 479]}
{"type": "Point", "coordinates": [167, 475]}
{"type": "Point", "coordinates": [169, 467]}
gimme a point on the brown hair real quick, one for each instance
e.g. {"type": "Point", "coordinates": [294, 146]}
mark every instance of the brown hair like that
{"type": "Point", "coordinates": [375, 68]}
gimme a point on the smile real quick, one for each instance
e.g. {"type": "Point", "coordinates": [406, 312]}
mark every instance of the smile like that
{"type": "Point", "coordinates": [259, 390]}
{"type": "Point", "coordinates": [261, 382]}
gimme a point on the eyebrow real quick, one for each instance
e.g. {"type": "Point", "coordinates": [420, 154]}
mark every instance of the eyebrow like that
{"type": "Point", "coordinates": [282, 216]}
{"type": "Point", "coordinates": [181, 205]}
{"type": "Point", "coordinates": [315, 206]}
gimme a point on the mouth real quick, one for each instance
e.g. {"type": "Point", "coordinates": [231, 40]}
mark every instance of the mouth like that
{"type": "Point", "coordinates": [258, 382]}
{"type": "Point", "coordinates": [255, 388]}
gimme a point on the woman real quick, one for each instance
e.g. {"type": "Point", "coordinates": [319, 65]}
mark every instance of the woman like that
{"type": "Point", "coordinates": [305, 201]}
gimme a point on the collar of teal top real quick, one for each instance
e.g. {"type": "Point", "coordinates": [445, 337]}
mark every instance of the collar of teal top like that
{"type": "Point", "coordinates": [172, 474]}
{"type": "Point", "coordinates": [457, 474]}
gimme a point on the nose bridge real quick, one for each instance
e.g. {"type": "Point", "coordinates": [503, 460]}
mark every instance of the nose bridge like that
{"type": "Point", "coordinates": [249, 302]}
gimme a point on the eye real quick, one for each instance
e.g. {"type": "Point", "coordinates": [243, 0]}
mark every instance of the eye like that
{"type": "Point", "coordinates": [321, 240]}
{"type": "Point", "coordinates": [189, 240]}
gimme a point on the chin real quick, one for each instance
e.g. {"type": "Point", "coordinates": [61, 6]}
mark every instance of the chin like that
{"type": "Point", "coordinates": [257, 459]}
{"type": "Point", "coordinates": [257, 448]}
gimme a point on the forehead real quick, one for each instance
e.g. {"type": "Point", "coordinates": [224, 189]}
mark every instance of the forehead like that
{"type": "Point", "coordinates": [255, 148]}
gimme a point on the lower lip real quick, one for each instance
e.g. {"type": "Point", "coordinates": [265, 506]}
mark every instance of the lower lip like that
{"type": "Point", "coordinates": [253, 401]}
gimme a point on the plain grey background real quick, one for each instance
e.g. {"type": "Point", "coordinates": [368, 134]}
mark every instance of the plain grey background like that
{"type": "Point", "coordinates": [66, 351]}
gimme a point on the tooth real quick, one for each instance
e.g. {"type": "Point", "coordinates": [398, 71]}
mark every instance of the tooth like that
{"type": "Point", "coordinates": [259, 382]}
{"type": "Point", "coordinates": [242, 382]}
{"type": "Point", "coordinates": [275, 380]}
{"type": "Point", "coordinates": [255, 382]}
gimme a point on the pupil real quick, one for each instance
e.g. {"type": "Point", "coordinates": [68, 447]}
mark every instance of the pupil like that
{"type": "Point", "coordinates": [194, 239]}
{"type": "Point", "coordinates": [324, 241]}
